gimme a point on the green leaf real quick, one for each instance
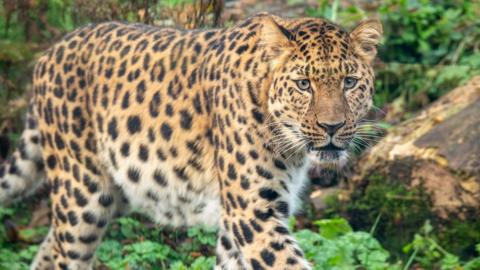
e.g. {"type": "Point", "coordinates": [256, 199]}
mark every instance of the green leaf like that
{"type": "Point", "coordinates": [331, 228]}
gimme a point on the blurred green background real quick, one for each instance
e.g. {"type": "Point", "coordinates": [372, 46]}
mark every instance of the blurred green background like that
{"type": "Point", "coordinates": [429, 48]}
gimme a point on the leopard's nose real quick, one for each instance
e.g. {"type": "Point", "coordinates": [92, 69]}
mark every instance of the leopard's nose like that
{"type": "Point", "coordinates": [331, 129]}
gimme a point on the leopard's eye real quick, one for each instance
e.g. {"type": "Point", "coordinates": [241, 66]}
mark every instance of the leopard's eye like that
{"type": "Point", "coordinates": [349, 83]}
{"type": "Point", "coordinates": [303, 84]}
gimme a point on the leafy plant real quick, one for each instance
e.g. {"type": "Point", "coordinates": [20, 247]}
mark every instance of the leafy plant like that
{"type": "Point", "coordinates": [337, 247]}
{"type": "Point", "coordinates": [426, 251]}
{"type": "Point", "coordinates": [206, 236]}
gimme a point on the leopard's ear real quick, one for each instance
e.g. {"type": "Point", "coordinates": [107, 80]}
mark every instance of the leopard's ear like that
{"type": "Point", "coordinates": [276, 39]}
{"type": "Point", "coordinates": [365, 38]}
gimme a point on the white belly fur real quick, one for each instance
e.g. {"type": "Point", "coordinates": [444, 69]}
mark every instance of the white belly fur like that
{"type": "Point", "coordinates": [176, 205]}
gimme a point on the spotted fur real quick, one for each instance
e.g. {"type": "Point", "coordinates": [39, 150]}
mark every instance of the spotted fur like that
{"type": "Point", "coordinates": [212, 127]}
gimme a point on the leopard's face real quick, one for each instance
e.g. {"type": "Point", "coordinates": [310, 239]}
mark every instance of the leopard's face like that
{"type": "Point", "coordinates": [320, 91]}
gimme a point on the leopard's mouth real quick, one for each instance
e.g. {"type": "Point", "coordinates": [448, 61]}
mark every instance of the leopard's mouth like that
{"type": "Point", "coordinates": [329, 153]}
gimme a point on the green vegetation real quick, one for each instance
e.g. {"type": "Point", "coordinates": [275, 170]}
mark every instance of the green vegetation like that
{"type": "Point", "coordinates": [134, 243]}
{"type": "Point", "coordinates": [427, 50]}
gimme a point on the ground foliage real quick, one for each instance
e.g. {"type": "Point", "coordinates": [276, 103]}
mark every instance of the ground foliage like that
{"type": "Point", "coordinates": [427, 50]}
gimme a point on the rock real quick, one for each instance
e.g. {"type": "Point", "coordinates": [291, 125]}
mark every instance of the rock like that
{"type": "Point", "coordinates": [318, 197]}
{"type": "Point", "coordinates": [437, 150]}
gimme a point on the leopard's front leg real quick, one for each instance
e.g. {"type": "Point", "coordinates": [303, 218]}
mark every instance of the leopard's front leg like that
{"type": "Point", "coordinates": [255, 207]}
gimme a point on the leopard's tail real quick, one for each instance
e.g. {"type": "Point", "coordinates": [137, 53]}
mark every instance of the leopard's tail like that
{"type": "Point", "coordinates": [23, 172]}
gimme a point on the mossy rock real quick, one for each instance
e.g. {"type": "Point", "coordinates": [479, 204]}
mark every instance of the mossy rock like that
{"type": "Point", "coordinates": [395, 212]}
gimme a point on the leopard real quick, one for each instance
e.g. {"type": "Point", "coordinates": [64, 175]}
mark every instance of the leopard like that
{"type": "Point", "coordinates": [213, 127]}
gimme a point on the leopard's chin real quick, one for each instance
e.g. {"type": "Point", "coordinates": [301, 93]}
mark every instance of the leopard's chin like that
{"type": "Point", "coordinates": [337, 158]}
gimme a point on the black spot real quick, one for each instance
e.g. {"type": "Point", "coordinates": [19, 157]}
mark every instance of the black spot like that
{"type": "Point", "coordinates": [63, 201]}
{"type": "Point", "coordinates": [141, 92]}
{"type": "Point", "coordinates": [151, 135]}
{"type": "Point", "coordinates": [166, 131]}
{"type": "Point", "coordinates": [72, 218]}
{"type": "Point", "coordinates": [173, 151]}
{"type": "Point", "coordinates": [105, 200]}
{"type": "Point", "coordinates": [90, 184]}
{"type": "Point", "coordinates": [279, 164]}
{"type": "Point", "coordinates": [236, 232]}
{"type": "Point", "coordinates": [89, 217]}
{"type": "Point", "coordinates": [159, 178]}
{"type": "Point", "coordinates": [185, 119]}
{"type": "Point", "coordinates": [197, 48]}
{"type": "Point", "coordinates": [180, 172]}
{"type": "Point", "coordinates": [268, 257]}
{"type": "Point", "coordinates": [161, 155]}
{"type": "Point", "coordinates": [263, 215]}
{"type": "Point", "coordinates": [232, 173]}
{"type": "Point", "coordinates": [257, 115]}
{"type": "Point", "coordinates": [59, 54]}
{"type": "Point", "coordinates": [232, 200]}
{"type": "Point", "coordinates": [197, 104]}
{"type": "Point", "coordinates": [101, 223]}
{"type": "Point", "coordinates": [51, 162]}
{"type": "Point", "coordinates": [88, 239]}
{"type": "Point", "coordinates": [125, 50]}
{"type": "Point", "coordinates": [281, 230]}
{"type": "Point", "coordinates": [133, 174]}
{"type": "Point", "coordinates": [268, 194]}
{"type": "Point", "coordinates": [277, 246]}
{"type": "Point", "coordinates": [4, 185]}
{"type": "Point", "coordinates": [143, 153]}
{"type": "Point", "coordinates": [79, 197]}
{"type": "Point", "coordinates": [242, 202]}
{"type": "Point", "coordinates": [73, 255]}
{"type": "Point", "coordinates": [193, 147]}
{"type": "Point", "coordinates": [225, 242]}
{"type": "Point", "coordinates": [292, 261]}
{"type": "Point", "coordinates": [208, 35]}
{"type": "Point", "coordinates": [126, 100]}
{"type": "Point", "coordinates": [154, 104]}
{"type": "Point", "coordinates": [247, 232]}
{"type": "Point", "coordinates": [122, 69]}
{"type": "Point", "coordinates": [256, 265]}
{"type": "Point", "coordinates": [112, 128]}
{"type": "Point", "coordinates": [134, 124]}
{"type": "Point", "coordinates": [59, 141]}
{"type": "Point", "coordinates": [264, 172]}
{"type": "Point", "coordinates": [256, 226]}
{"type": "Point", "coordinates": [245, 183]}
{"type": "Point", "coordinates": [125, 149]}
{"type": "Point", "coordinates": [241, 49]}
{"type": "Point", "coordinates": [69, 237]}
{"type": "Point", "coordinates": [108, 73]}
{"type": "Point", "coordinates": [192, 78]}
{"type": "Point", "coordinates": [60, 215]}
{"type": "Point", "coordinates": [240, 158]}
{"type": "Point", "coordinates": [169, 109]}
{"type": "Point", "coordinates": [282, 207]}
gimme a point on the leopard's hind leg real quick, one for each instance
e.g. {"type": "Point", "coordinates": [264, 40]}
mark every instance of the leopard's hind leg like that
{"type": "Point", "coordinates": [84, 201]}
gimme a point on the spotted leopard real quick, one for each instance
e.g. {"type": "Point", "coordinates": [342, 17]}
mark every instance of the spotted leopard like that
{"type": "Point", "coordinates": [213, 127]}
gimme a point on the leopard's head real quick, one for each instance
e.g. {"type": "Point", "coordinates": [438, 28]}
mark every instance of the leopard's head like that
{"type": "Point", "coordinates": [322, 83]}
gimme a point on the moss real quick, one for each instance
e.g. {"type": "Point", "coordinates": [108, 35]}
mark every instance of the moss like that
{"type": "Point", "coordinates": [401, 211]}
{"type": "Point", "coordinates": [460, 237]}
{"type": "Point", "coordinates": [397, 211]}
